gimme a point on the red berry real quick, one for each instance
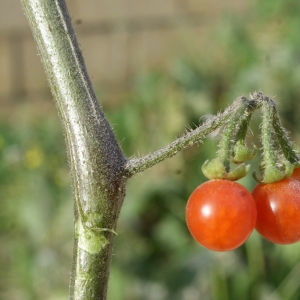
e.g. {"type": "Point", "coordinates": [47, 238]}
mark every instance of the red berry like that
{"type": "Point", "coordinates": [296, 174]}
{"type": "Point", "coordinates": [278, 211]}
{"type": "Point", "coordinates": [220, 215]}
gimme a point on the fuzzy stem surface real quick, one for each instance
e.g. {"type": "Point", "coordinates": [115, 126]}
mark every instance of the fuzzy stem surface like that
{"type": "Point", "coordinates": [136, 165]}
{"type": "Point", "coordinates": [95, 157]}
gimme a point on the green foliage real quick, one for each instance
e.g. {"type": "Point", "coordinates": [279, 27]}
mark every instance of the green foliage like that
{"type": "Point", "coordinates": [155, 257]}
{"type": "Point", "coordinates": [36, 211]}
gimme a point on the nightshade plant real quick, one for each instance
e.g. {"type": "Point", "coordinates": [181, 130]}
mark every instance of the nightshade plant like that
{"type": "Point", "coordinates": [99, 169]}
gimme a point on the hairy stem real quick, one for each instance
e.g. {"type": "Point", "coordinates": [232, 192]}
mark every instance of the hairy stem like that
{"type": "Point", "coordinates": [94, 155]}
{"type": "Point", "coordinates": [136, 165]}
{"type": "Point", "coordinates": [269, 156]}
{"type": "Point", "coordinates": [231, 129]}
{"type": "Point", "coordinates": [287, 148]}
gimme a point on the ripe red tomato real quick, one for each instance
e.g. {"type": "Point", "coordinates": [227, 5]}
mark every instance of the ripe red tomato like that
{"type": "Point", "coordinates": [296, 174]}
{"type": "Point", "coordinates": [220, 215]}
{"type": "Point", "coordinates": [278, 211]}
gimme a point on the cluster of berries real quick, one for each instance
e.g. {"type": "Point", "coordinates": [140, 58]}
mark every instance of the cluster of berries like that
{"type": "Point", "coordinates": [221, 214]}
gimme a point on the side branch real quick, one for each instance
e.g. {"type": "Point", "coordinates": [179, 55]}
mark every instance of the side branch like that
{"type": "Point", "coordinates": [136, 165]}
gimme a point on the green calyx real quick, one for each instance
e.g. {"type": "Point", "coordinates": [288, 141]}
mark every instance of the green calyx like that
{"type": "Point", "coordinates": [232, 147]}
{"type": "Point", "coordinates": [279, 155]}
{"type": "Point", "coordinates": [215, 169]}
{"type": "Point", "coordinates": [242, 153]}
{"type": "Point", "coordinates": [273, 173]}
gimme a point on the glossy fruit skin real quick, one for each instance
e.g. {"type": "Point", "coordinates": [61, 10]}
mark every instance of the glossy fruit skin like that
{"type": "Point", "coordinates": [220, 214]}
{"type": "Point", "coordinates": [278, 211]}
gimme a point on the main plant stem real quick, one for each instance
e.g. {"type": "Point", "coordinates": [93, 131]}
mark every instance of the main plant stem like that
{"type": "Point", "coordinates": [98, 167]}
{"type": "Point", "coordinates": [94, 155]}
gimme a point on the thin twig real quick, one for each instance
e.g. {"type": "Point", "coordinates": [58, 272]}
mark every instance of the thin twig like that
{"type": "Point", "coordinates": [136, 165]}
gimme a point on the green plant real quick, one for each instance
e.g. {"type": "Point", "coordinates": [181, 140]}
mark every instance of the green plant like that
{"type": "Point", "coordinates": [98, 166]}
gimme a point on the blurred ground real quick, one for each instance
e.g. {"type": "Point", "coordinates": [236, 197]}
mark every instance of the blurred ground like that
{"type": "Point", "coordinates": [155, 257]}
